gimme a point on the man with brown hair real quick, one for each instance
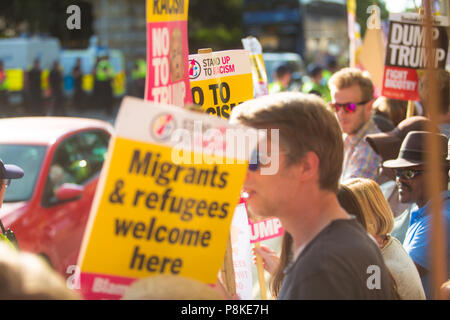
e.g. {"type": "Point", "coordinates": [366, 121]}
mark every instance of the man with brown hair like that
{"type": "Point", "coordinates": [333, 257]}
{"type": "Point", "coordinates": [352, 100]}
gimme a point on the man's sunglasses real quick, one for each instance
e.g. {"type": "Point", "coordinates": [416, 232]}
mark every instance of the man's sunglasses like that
{"type": "Point", "coordinates": [255, 160]}
{"type": "Point", "coordinates": [349, 107]}
{"type": "Point", "coordinates": [7, 182]}
{"type": "Point", "coordinates": [408, 174]}
{"type": "Point", "coordinates": [258, 159]}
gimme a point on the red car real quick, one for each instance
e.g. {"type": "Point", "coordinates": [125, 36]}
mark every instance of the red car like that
{"type": "Point", "coordinates": [49, 207]}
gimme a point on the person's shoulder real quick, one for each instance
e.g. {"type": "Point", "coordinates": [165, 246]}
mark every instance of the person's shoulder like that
{"type": "Point", "coordinates": [394, 248]}
{"type": "Point", "coordinates": [382, 123]}
{"type": "Point", "coordinates": [398, 259]}
{"type": "Point", "coordinates": [346, 230]}
{"type": "Point", "coordinates": [343, 238]}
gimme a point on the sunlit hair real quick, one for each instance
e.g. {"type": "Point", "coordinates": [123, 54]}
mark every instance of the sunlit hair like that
{"type": "Point", "coordinates": [286, 256]}
{"type": "Point", "coordinates": [348, 77]}
{"type": "Point", "coordinates": [377, 213]}
{"type": "Point", "coordinates": [349, 202]}
{"type": "Point", "coordinates": [170, 287]}
{"type": "Point", "coordinates": [392, 109]}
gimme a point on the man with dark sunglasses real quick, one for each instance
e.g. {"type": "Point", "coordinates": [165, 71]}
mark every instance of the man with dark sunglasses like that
{"type": "Point", "coordinates": [332, 254]}
{"type": "Point", "coordinates": [351, 100]}
{"type": "Point", "coordinates": [411, 178]}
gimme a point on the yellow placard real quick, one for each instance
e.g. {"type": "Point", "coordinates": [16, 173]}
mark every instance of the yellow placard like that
{"type": "Point", "coordinates": [167, 10]}
{"type": "Point", "coordinates": [219, 96]}
{"type": "Point", "coordinates": [258, 67]}
{"type": "Point", "coordinates": [260, 82]}
{"type": "Point", "coordinates": [14, 79]}
{"type": "Point", "coordinates": [158, 217]}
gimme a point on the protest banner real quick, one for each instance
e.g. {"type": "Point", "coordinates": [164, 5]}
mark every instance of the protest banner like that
{"type": "Point", "coordinates": [372, 54]}
{"type": "Point", "coordinates": [165, 199]}
{"type": "Point", "coordinates": [259, 74]}
{"type": "Point", "coordinates": [351, 22]}
{"type": "Point", "coordinates": [220, 80]}
{"type": "Point", "coordinates": [167, 50]}
{"type": "Point", "coordinates": [406, 55]}
{"type": "Point", "coordinates": [242, 259]}
{"type": "Point", "coordinates": [260, 231]}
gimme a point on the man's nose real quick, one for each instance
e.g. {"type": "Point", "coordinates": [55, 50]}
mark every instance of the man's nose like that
{"type": "Point", "coordinates": [341, 113]}
{"type": "Point", "coordinates": [400, 180]}
{"type": "Point", "coordinates": [249, 177]}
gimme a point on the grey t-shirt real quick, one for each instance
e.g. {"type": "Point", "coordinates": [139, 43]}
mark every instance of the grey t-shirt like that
{"type": "Point", "coordinates": [341, 262]}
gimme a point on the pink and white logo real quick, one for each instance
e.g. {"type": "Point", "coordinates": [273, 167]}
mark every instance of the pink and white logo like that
{"type": "Point", "coordinates": [163, 126]}
{"type": "Point", "coordinates": [194, 69]}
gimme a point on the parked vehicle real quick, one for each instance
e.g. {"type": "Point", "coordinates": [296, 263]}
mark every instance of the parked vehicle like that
{"type": "Point", "coordinates": [18, 55]}
{"type": "Point", "coordinates": [272, 60]}
{"type": "Point", "coordinates": [49, 207]}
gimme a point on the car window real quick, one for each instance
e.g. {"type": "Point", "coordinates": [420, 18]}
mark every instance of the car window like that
{"type": "Point", "coordinates": [29, 158]}
{"type": "Point", "coordinates": [76, 160]}
{"type": "Point", "coordinates": [93, 146]}
{"type": "Point", "coordinates": [271, 63]}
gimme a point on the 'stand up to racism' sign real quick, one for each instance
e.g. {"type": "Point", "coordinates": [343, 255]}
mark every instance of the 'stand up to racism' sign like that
{"type": "Point", "coordinates": [221, 80]}
{"type": "Point", "coordinates": [165, 200]}
{"type": "Point", "coordinates": [406, 55]}
{"type": "Point", "coordinates": [167, 52]}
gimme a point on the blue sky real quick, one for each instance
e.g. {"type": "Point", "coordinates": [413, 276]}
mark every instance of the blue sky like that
{"type": "Point", "coordinates": [399, 5]}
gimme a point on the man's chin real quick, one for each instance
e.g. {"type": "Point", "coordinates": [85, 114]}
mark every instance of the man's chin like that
{"type": "Point", "coordinates": [256, 211]}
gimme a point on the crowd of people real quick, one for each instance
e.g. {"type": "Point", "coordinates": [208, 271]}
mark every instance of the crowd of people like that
{"type": "Point", "coordinates": [53, 100]}
{"type": "Point", "coordinates": [330, 152]}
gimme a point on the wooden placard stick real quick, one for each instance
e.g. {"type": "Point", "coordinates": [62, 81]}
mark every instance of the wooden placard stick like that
{"type": "Point", "coordinates": [228, 276]}
{"type": "Point", "coordinates": [261, 278]}
{"type": "Point", "coordinates": [204, 50]}
{"type": "Point", "coordinates": [410, 109]}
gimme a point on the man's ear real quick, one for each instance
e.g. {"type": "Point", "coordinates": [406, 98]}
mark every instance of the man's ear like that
{"type": "Point", "coordinates": [309, 167]}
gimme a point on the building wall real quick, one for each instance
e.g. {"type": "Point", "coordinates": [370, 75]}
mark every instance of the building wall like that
{"type": "Point", "coordinates": [326, 35]}
{"type": "Point", "coordinates": [121, 24]}
{"type": "Point", "coordinates": [325, 28]}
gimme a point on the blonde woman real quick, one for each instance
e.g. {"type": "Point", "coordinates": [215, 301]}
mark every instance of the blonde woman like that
{"type": "Point", "coordinates": [379, 223]}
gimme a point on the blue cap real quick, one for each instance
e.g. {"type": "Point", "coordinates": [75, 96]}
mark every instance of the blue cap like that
{"type": "Point", "coordinates": [10, 171]}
